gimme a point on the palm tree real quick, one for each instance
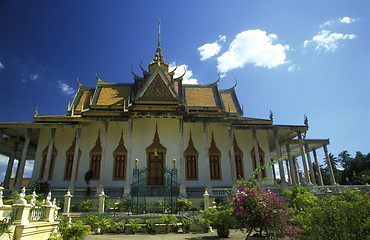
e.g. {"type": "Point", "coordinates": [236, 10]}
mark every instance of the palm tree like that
{"type": "Point", "coordinates": [333, 160]}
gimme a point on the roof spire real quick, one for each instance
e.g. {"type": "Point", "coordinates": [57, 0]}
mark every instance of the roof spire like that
{"type": "Point", "coordinates": [158, 57]}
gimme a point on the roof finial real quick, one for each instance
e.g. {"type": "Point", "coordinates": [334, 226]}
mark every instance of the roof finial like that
{"type": "Point", "coordinates": [159, 32]}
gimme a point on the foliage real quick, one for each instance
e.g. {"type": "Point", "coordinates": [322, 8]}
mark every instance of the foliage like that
{"type": "Point", "coordinates": [125, 205]}
{"type": "Point", "coordinates": [119, 227]}
{"type": "Point", "coordinates": [256, 208]}
{"type": "Point", "coordinates": [345, 216]}
{"type": "Point", "coordinates": [77, 231]}
{"type": "Point", "coordinates": [87, 178]}
{"type": "Point", "coordinates": [134, 225]}
{"type": "Point", "coordinates": [355, 170]}
{"type": "Point", "coordinates": [299, 198]}
{"type": "Point", "coordinates": [148, 207]}
{"type": "Point", "coordinates": [4, 226]}
{"type": "Point", "coordinates": [150, 225]}
{"type": "Point", "coordinates": [169, 221]}
{"type": "Point", "coordinates": [40, 186]}
{"type": "Point", "coordinates": [220, 217]}
{"type": "Point", "coordinates": [13, 199]}
{"type": "Point", "coordinates": [92, 220]}
{"type": "Point", "coordinates": [162, 205]}
{"type": "Point", "coordinates": [186, 223]}
{"type": "Point", "coordinates": [86, 205]}
{"type": "Point", "coordinates": [105, 224]}
{"type": "Point", "coordinates": [184, 204]}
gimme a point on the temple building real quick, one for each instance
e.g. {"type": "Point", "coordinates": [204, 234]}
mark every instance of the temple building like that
{"type": "Point", "coordinates": [153, 135]}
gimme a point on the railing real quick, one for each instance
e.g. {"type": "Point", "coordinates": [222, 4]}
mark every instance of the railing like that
{"type": "Point", "coordinates": [36, 214]}
{"type": "Point", "coordinates": [221, 192]}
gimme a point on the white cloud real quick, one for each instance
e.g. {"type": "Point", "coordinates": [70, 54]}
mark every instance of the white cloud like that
{"type": "Point", "coordinates": [252, 47]}
{"type": "Point", "coordinates": [28, 168]}
{"type": "Point", "coordinates": [209, 50]}
{"type": "Point", "coordinates": [1, 66]}
{"type": "Point", "coordinates": [66, 89]}
{"type": "Point", "coordinates": [347, 20]}
{"type": "Point", "coordinates": [187, 79]}
{"type": "Point", "coordinates": [26, 76]}
{"type": "Point", "coordinates": [327, 41]}
{"type": "Point", "coordinates": [34, 76]}
{"type": "Point", "coordinates": [293, 68]}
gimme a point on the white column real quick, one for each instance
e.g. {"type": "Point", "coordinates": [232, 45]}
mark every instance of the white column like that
{"type": "Point", "coordinates": [296, 168]}
{"type": "Point", "coordinates": [9, 168]}
{"type": "Point", "coordinates": [75, 160]}
{"type": "Point", "coordinates": [206, 157]}
{"type": "Point", "coordinates": [102, 159]}
{"type": "Point", "coordinates": [256, 150]}
{"type": "Point", "coordinates": [127, 190]}
{"type": "Point", "coordinates": [278, 152]}
{"type": "Point", "coordinates": [321, 182]}
{"type": "Point", "coordinates": [288, 169]}
{"type": "Point", "coordinates": [303, 155]}
{"type": "Point", "coordinates": [22, 162]}
{"type": "Point", "coordinates": [232, 156]}
{"type": "Point", "coordinates": [330, 167]}
{"type": "Point", "coordinates": [182, 159]}
{"type": "Point", "coordinates": [48, 156]}
{"type": "Point", "coordinates": [293, 170]}
{"type": "Point", "coordinates": [312, 172]}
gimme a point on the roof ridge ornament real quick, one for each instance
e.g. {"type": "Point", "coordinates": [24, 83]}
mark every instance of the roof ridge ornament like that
{"type": "Point", "coordinates": [158, 57]}
{"type": "Point", "coordinates": [78, 81]}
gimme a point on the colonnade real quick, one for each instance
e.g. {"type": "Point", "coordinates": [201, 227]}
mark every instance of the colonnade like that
{"type": "Point", "coordinates": [290, 160]}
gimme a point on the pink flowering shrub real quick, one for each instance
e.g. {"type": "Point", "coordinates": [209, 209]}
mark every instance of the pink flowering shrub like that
{"type": "Point", "coordinates": [258, 209]}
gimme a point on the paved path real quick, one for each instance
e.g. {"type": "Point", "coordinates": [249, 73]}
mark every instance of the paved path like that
{"type": "Point", "coordinates": [234, 235]}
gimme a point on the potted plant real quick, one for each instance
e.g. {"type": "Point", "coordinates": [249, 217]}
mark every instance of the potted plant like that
{"type": "Point", "coordinates": [220, 218]}
{"type": "Point", "coordinates": [118, 227]}
{"type": "Point", "coordinates": [134, 225]}
{"type": "Point", "coordinates": [186, 224]}
{"type": "Point", "coordinates": [104, 224]}
{"type": "Point", "coordinates": [150, 225]}
{"type": "Point", "coordinates": [169, 221]}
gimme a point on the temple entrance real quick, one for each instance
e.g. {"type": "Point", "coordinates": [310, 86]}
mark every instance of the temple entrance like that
{"type": "Point", "coordinates": [155, 168]}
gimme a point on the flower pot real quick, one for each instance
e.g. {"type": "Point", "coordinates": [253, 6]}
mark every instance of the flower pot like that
{"type": "Point", "coordinates": [223, 233]}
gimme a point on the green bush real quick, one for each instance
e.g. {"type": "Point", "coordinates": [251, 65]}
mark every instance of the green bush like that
{"type": "Point", "coordinates": [134, 225]}
{"type": "Point", "coordinates": [169, 221]}
{"type": "Point", "coordinates": [105, 224]}
{"type": "Point", "coordinates": [92, 220]}
{"type": "Point", "coordinates": [86, 205]}
{"type": "Point", "coordinates": [77, 231]}
{"type": "Point", "coordinates": [345, 216]}
{"type": "Point", "coordinates": [184, 204]}
{"type": "Point", "coordinates": [220, 217]}
{"type": "Point", "coordinates": [150, 226]}
{"type": "Point", "coordinates": [40, 186]}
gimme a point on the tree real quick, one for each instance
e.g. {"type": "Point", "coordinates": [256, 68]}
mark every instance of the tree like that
{"type": "Point", "coordinates": [355, 170]}
{"type": "Point", "coordinates": [334, 161]}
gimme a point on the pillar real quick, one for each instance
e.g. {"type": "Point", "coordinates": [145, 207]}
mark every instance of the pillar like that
{"type": "Point", "coordinates": [279, 155]}
{"type": "Point", "coordinates": [303, 155]}
{"type": "Point", "coordinates": [48, 156]}
{"type": "Point", "coordinates": [288, 169]}
{"type": "Point", "coordinates": [9, 168]}
{"type": "Point", "coordinates": [75, 160]}
{"type": "Point", "coordinates": [256, 150]}
{"type": "Point", "coordinates": [22, 162]}
{"type": "Point", "coordinates": [312, 172]}
{"type": "Point", "coordinates": [330, 167]}
{"type": "Point", "coordinates": [206, 157]}
{"type": "Point", "coordinates": [101, 202]}
{"type": "Point", "coordinates": [321, 182]}
{"type": "Point", "coordinates": [102, 162]}
{"type": "Point", "coordinates": [67, 202]}
{"type": "Point", "coordinates": [127, 189]}
{"type": "Point", "coordinates": [273, 170]}
{"type": "Point", "coordinates": [293, 171]}
{"type": "Point", "coordinates": [232, 156]}
{"type": "Point", "coordinates": [295, 161]}
{"type": "Point", "coordinates": [182, 159]}
{"type": "Point", "coordinates": [206, 200]}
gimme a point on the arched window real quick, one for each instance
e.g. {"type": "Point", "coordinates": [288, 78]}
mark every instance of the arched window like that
{"type": "Point", "coordinates": [238, 153]}
{"type": "Point", "coordinates": [69, 161]}
{"type": "Point", "coordinates": [119, 156]}
{"type": "Point", "coordinates": [95, 159]}
{"type": "Point", "coordinates": [214, 161]}
{"type": "Point", "coordinates": [52, 162]}
{"type": "Point", "coordinates": [191, 161]}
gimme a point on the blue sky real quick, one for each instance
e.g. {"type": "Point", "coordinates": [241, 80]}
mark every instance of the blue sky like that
{"type": "Point", "coordinates": [295, 58]}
